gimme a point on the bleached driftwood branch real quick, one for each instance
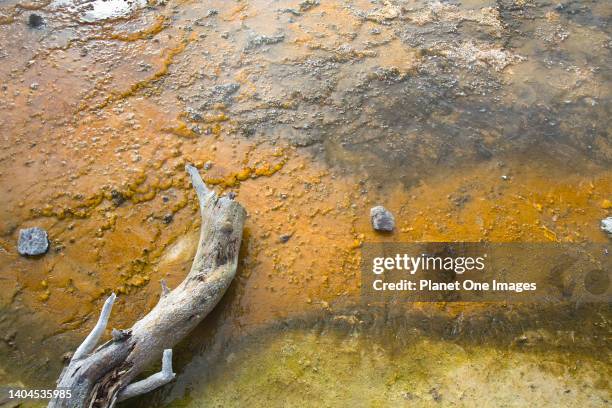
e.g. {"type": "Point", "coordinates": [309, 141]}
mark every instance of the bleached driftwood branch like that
{"type": "Point", "coordinates": [150, 383]}
{"type": "Point", "coordinates": [92, 339]}
{"type": "Point", "coordinates": [101, 377]}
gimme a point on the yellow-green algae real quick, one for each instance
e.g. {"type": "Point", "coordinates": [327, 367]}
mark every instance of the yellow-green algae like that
{"type": "Point", "coordinates": [309, 368]}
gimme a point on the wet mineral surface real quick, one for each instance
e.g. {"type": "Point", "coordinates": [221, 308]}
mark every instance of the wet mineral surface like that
{"type": "Point", "coordinates": [469, 121]}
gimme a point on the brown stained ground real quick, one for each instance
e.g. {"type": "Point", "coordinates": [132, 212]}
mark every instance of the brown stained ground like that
{"type": "Point", "coordinates": [421, 107]}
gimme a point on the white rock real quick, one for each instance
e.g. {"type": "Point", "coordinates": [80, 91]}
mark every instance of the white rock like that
{"type": "Point", "coordinates": [606, 225]}
{"type": "Point", "coordinates": [33, 241]}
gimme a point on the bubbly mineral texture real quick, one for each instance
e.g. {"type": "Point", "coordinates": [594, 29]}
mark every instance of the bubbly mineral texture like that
{"type": "Point", "coordinates": [606, 225]}
{"type": "Point", "coordinates": [33, 241]}
{"type": "Point", "coordinates": [382, 219]}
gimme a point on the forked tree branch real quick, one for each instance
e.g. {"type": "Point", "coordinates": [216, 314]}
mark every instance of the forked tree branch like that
{"type": "Point", "coordinates": [99, 378]}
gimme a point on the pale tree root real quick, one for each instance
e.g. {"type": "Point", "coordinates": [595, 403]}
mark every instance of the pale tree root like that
{"type": "Point", "coordinates": [101, 377]}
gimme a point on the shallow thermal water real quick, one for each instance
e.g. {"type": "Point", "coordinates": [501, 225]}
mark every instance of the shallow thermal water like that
{"type": "Point", "coordinates": [311, 112]}
{"type": "Point", "coordinates": [373, 357]}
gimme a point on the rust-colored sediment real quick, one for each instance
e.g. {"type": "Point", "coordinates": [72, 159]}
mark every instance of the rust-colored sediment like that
{"type": "Point", "coordinates": [94, 152]}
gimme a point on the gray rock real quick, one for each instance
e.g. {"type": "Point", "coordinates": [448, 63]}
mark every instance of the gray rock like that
{"type": "Point", "coordinates": [382, 219]}
{"type": "Point", "coordinates": [33, 241]}
{"type": "Point", "coordinates": [35, 20]}
{"type": "Point", "coordinates": [606, 225]}
{"type": "Point", "coordinates": [218, 94]}
{"type": "Point", "coordinates": [259, 40]}
{"type": "Point", "coordinates": [308, 4]}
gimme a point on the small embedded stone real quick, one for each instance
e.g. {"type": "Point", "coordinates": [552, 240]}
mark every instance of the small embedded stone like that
{"type": "Point", "coordinates": [606, 226]}
{"type": "Point", "coordinates": [33, 241]}
{"type": "Point", "coordinates": [382, 219]}
{"type": "Point", "coordinates": [117, 197]}
{"type": "Point", "coordinates": [35, 20]}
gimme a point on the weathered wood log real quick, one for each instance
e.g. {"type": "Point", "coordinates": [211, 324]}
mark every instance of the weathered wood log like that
{"type": "Point", "coordinates": [101, 377]}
